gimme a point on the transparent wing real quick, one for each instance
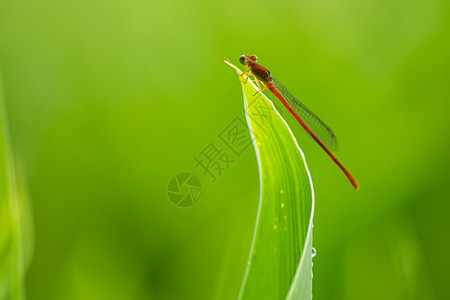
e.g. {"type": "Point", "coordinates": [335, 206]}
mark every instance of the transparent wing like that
{"type": "Point", "coordinates": [323, 132]}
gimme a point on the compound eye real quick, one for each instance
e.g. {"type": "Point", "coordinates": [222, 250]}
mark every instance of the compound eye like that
{"type": "Point", "coordinates": [243, 59]}
{"type": "Point", "coordinates": [254, 57]}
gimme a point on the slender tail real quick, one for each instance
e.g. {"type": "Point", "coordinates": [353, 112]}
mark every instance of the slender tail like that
{"type": "Point", "coordinates": [349, 176]}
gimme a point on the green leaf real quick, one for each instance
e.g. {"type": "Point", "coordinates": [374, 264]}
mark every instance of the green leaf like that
{"type": "Point", "coordinates": [15, 221]}
{"type": "Point", "coordinates": [280, 262]}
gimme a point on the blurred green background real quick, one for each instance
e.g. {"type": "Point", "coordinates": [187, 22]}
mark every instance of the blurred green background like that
{"type": "Point", "coordinates": [108, 100]}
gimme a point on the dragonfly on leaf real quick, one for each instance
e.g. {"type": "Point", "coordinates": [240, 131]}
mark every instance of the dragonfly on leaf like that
{"type": "Point", "coordinates": [317, 129]}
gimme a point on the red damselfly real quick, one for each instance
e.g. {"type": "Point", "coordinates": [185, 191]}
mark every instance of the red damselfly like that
{"type": "Point", "coordinates": [320, 132]}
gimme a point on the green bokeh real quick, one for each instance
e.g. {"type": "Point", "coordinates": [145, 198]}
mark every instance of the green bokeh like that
{"type": "Point", "coordinates": [108, 100]}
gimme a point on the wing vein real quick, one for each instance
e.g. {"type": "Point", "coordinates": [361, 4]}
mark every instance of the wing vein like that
{"type": "Point", "coordinates": [323, 132]}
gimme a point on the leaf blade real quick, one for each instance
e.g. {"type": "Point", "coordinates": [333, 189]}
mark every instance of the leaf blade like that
{"type": "Point", "coordinates": [280, 257]}
{"type": "Point", "coordinates": [16, 233]}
